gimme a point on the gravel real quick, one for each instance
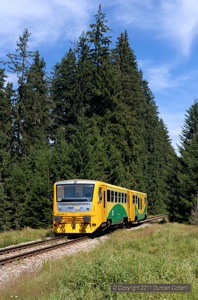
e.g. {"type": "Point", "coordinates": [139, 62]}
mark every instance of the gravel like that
{"type": "Point", "coordinates": [11, 271]}
{"type": "Point", "coordinates": [30, 264]}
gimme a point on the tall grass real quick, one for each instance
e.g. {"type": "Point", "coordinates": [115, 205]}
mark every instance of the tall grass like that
{"type": "Point", "coordinates": [156, 254]}
{"type": "Point", "coordinates": [14, 237]}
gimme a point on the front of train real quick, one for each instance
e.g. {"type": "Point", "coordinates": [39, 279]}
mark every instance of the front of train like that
{"type": "Point", "coordinates": [74, 207]}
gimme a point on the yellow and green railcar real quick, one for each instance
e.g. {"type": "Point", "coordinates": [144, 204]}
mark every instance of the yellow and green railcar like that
{"type": "Point", "coordinates": [84, 206]}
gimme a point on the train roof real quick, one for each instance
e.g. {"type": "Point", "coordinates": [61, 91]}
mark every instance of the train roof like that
{"type": "Point", "coordinates": [87, 181]}
{"type": "Point", "coordinates": [72, 181]}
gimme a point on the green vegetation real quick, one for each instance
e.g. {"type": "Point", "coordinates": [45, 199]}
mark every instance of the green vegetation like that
{"type": "Point", "coordinates": [184, 205]}
{"type": "Point", "coordinates": [155, 254]}
{"type": "Point", "coordinates": [93, 117]}
{"type": "Point", "coordinates": [14, 237]}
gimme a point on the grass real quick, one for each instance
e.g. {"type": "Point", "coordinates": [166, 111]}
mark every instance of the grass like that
{"type": "Point", "coordinates": [15, 237]}
{"type": "Point", "coordinates": [156, 254]}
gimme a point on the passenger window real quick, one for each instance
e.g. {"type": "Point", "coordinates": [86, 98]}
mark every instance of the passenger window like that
{"type": "Point", "coordinates": [112, 196]}
{"type": "Point", "coordinates": [100, 194]}
{"type": "Point", "coordinates": [108, 196]}
{"type": "Point", "coordinates": [116, 197]}
{"type": "Point", "coordinates": [120, 197]}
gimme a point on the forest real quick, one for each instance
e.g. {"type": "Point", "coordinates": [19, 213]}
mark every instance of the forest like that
{"type": "Point", "coordinates": [93, 117]}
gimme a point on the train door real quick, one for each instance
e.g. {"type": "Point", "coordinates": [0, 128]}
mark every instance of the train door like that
{"type": "Point", "coordinates": [129, 195]}
{"type": "Point", "coordinates": [104, 190]}
{"type": "Point", "coordinates": [102, 202]}
{"type": "Point", "coordinates": [133, 203]}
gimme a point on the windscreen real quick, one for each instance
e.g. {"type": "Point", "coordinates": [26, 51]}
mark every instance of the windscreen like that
{"type": "Point", "coordinates": [74, 192]}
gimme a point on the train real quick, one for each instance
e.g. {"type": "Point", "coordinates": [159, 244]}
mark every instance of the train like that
{"type": "Point", "coordinates": [82, 206]}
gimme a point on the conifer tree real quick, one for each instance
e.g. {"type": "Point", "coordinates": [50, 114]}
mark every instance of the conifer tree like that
{"type": "Point", "coordinates": [129, 110]}
{"type": "Point", "coordinates": [19, 63]}
{"type": "Point", "coordinates": [6, 116]}
{"type": "Point", "coordinates": [159, 156]}
{"type": "Point", "coordinates": [84, 76]}
{"type": "Point", "coordinates": [36, 104]}
{"type": "Point", "coordinates": [37, 208]}
{"type": "Point", "coordinates": [63, 93]}
{"type": "Point", "coordinates": [87, 151]}
{"type": "Point", "coordinates": [6, 208]}
{"type": "Point", "coordinates": [100, 41]}
{"type": "Point", "coordinates": [187, 176]}
{"type": "Point", "coordinates": [5, 150]}
{"type": "Point", "coordinates": [30, 106]}
{"type": "Point", "coordinates": [61, 166]}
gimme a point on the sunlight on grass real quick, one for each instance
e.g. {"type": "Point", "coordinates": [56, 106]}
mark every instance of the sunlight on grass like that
{"type": "Point", "coordinates": [156, 254]}
{"type": "Point", "coordinates": [14, 237]}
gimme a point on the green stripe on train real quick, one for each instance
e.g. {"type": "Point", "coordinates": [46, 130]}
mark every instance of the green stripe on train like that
{"type": "Point", "coordinates": [140, 216]}
{"type": "Point", "coordinates": [117, 214]}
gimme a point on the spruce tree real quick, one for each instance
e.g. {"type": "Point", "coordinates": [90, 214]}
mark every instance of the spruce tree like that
{"type": "Point", "coordinates": [100, 56]}
{"type": "Point", "coordinates": [87, 151]}
{"type": "Point", "coordinates": [129, 111]}
{"type": "Point", "coordinates": [84, 76]}
{"type": "Point", "coordinates": [37, 209]}
{"type": "Point", "coordinates": [19, 63]}
{"type": "Point", "coordinates": [188, 167]}
{"type": "Point", "coordinates": [64, 109]}
{"type": "Point", "coordinates": [31, 121]}
{"type": "Point", "coordinates": [99, 39]}
{"type": "Point", "coordinates": [159, 154]}
{"type": "Point", "coordinates": [6, 114]}
{"type": "Point", "coordinates": [6, 207]}
{"type": "Point", "coordinates": [36, 105]}
{"type": "Point", "coordinates": [61, 166]}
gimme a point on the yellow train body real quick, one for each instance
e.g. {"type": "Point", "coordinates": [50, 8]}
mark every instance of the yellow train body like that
{"type": "Point", "coordinates": [84, 206]}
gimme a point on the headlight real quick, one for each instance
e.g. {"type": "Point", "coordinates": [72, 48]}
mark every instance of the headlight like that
{"type": "Point", "coordinates": [57, 219]}
{"type": "Point", "coordinates": [86, 219]}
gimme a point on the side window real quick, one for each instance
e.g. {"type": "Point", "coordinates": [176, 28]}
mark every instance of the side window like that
{"type": "Point", "coordinates": [120, 197]}
{"type": "Point", "coordinates": [60, 193]}
{"type": "Point", "coordinates": [116, 196]}
{"type": "Point", "coordinates": [112, 196]}
{"type": "Point", "coordinates": [133, 199]}
{"type": "Point", "coordinates": [100, 194]}
{"type": "Point", "coordinates": [123, 198]}
{"type": "Point", "coordinates": [108, 196]}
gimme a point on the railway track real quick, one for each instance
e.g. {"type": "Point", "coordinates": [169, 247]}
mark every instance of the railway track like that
{"type": "Point", "coordinates": [6, 258]}
{"type": "Point", "coordinates": [152, 219]}
{"type": "Point", "coordinates": [26, 245]}
{"type": "Point", "coordinates": [9, 259]}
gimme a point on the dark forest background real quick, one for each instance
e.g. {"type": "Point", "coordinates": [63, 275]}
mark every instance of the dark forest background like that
{"type": "Point", "coordinates": [95, 117]}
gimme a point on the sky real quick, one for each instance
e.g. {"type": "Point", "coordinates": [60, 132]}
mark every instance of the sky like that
{"type": "Point", "coordinates": [162, 33]}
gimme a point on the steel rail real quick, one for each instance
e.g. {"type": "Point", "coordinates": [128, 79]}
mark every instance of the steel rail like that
{"type": "Point", "coordinates": [41, 250]}
{"type": "Point", "coordinates": [150, 219]}
{"type": "Point", "coordinates": [55, 246]}
{"type": "Point", "coordinates": [28, 245]}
